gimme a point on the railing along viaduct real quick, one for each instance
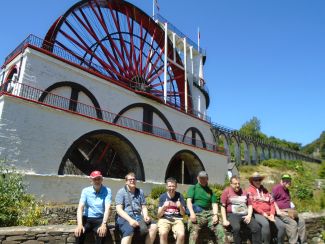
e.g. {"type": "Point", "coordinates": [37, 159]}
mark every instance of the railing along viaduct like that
{"type": "Point", "coordinates": [249, 150]}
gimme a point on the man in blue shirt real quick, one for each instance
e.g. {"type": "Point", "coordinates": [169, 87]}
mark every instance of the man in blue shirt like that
{"type": "Point", "coordinates": [93, 210]}
{"type": "Point", "coordinates": [132, 211]}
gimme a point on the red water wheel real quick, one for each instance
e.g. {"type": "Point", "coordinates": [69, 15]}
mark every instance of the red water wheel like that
{"type": "Point", "coordinates": [120, 41]}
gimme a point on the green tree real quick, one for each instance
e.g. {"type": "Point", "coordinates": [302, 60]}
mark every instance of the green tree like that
{"type": "Point", "coordinates": [322, 145]}
{"type": "Point", "coordinates": [252, 127]}
{"type": "Point", "coordinates": [317, 146]}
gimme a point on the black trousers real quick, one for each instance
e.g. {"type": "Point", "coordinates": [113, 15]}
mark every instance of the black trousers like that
{"type": "Point", "coordinates": [91, 224]}
{"type": "Point", "coordinates": [236, 220]}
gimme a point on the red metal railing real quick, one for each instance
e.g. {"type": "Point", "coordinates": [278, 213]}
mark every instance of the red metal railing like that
{"type": "Point", "coordinates": [39, 44]}
{"type": "Point", "coordinates": [33, 94]}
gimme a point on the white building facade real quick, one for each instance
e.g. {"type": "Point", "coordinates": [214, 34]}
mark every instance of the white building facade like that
{"type": "Point", "coordinates": [126, 104]}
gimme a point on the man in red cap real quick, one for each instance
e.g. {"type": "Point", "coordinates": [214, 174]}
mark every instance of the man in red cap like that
{"type": "Point", "coordinates": [93, 210]}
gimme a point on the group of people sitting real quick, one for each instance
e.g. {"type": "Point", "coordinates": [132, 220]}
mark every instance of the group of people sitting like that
{"type": "Point", "coordinates": [267, 215]}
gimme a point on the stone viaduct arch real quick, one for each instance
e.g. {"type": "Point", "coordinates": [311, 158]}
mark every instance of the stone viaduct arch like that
{"type": "Point", "coordinates": [244, 149]}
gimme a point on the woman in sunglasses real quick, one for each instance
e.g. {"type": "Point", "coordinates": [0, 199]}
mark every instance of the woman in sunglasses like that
{"type": "Point", "coordinates": [264, 209]}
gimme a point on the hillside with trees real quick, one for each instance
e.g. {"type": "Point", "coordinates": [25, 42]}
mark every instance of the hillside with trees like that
{"type": "Point", "coordinates": [253, 128]}
{"type": "Point", "coordinates": [316, 148]}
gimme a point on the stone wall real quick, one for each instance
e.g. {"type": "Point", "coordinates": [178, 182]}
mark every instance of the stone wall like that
{"type": "Point", "coordinates": [60, 215]}
{"type": "Point", "coordinates": [66, 215]}
{"type": "Point", "coordinates": [314, 227]}
{"type": "Point", "coordinates": [64, 233]}
{"type": "Point", "coordinates": [37, 235]}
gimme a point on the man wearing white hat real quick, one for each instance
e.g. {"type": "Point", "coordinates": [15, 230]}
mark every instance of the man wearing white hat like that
{"type": "Point", "coordinates": [93, 210]}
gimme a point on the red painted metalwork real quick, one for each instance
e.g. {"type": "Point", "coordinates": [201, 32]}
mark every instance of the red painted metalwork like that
{"type": "Point", "coordinates": [7, 84]}
{"type": "Point", "coordinates": [124, 41]}
{"type": "Point", "coordinates": [11, 72]}
{"type": "Point", "coordinates": [39, 45]}
{"type": "Point", "coordinates": [51, 31]}
{"type": "Point", "coordinates": [103, 153]}
{"type": "Point", "coordinates": [31, 94]}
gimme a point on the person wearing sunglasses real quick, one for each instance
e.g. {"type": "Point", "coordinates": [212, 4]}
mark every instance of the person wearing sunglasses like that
{"type": "Point", "coordinates": [132, 213]}
{"type": "Point", "coordinates": [264, 209]}
{"type": "Point", "coordinates": [285, 210]}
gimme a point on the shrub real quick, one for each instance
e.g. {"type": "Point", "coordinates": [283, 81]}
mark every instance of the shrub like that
{"type": "Point", "coordinates": [152, 205]}
{"type": "Point", "coordinates": [217, 189]}
{"type": "Point", "coordinates": [157, 191]}
{"type": "Point", "coordinates": [303, 192]}
{"type": "Point", "coordinates": [284, 164]}
{"type": "Point", "coordinates": [321, 171]}
{"type": "Point", "coordinates": [322, 202]}
{"type": "Point", "coordinates": [184, 195]}
{"type": "Point", "coordinates": [16, 206]}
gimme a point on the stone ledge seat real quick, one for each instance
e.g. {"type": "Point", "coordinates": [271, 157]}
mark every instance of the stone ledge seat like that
{"type": "Point", "coordinates": [65, 234]}
{"type": "Point", "coordinates": [315, 224]}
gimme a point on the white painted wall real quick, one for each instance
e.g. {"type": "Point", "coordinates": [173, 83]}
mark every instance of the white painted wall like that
{"type": "Point", "coordinates": [35, 138]}
{"type": "Point", "coordinates": [67, 188]}
{"type": "Point", "coordinates": [197, 94]}
{"type": "Point", "coordinates": [134, 113]}
{"type": "Point", "coordinates": [42, 71]}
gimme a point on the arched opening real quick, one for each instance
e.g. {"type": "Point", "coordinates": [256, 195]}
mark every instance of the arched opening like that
{"type": "Point", "coordinates": [103, 150]}
{"type": "Point", "coordinates": [224, 141]}
{"type": "Point", "coordinates": [72, 96]}
{"type": "Point", "coordinates": [184, 167]}
{"type": "Point", "coordinates": [253, 153]}
{"type": "Point", "coordinates": [150, 117]}
{"type": "Point", "coordinates": [260, 153]}
{"type": "Point", "coordinates": [193, 136]}
{"type": "Point", "coordinates": [10, 80]}
{"type": "Point", "coordinates": [267, 152]}
{"type": "Point", "coordinates": [272, 153]}
{"type": "Point", "coordinates": [235, 150]}
{"type": "Point", "coordinates": [244, 149]}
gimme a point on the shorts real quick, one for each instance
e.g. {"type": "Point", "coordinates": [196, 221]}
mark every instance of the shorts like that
{"type": "Point", "coordinates": [125, 228]}
{"type": "Point", "coordinates": [177, 226]}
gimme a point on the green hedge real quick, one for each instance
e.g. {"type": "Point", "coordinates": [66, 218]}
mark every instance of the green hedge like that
{"type": "Point", "coordinates": [16, 206]}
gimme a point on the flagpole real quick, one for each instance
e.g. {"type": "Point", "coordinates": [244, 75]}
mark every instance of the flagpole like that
{"type": "Point", "coordinates": [153, 9]}
{"type": "Point", "coordinates": [198, 38]}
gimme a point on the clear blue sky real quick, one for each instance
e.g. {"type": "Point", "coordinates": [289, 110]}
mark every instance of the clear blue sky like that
{"type": "Point", "coordinates": [264, 58]}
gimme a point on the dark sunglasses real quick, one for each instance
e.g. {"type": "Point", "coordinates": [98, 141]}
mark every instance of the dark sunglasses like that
{"type": "Point", "coordinates": [257, 179]}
